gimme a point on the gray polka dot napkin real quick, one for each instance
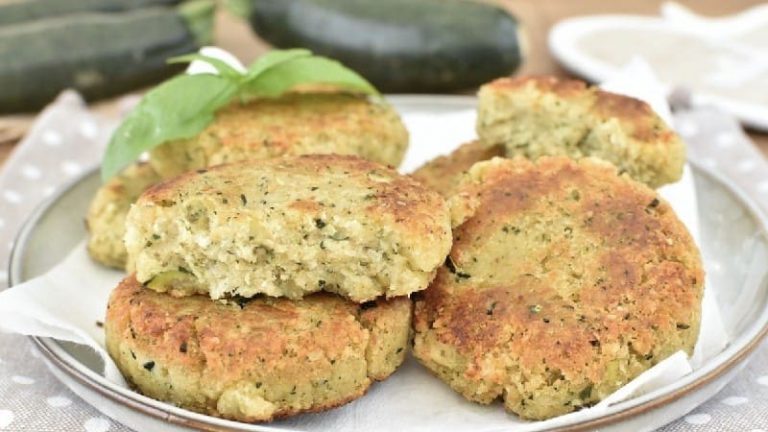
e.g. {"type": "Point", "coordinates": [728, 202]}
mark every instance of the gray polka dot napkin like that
{"type": "Point", "coordinates": [67, 139]}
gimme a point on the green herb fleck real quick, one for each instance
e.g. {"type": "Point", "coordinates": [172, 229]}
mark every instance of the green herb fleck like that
{"type": "Point", "coordinates": [449, 263]}
{"type": "Point", "coordinates": [339, 237]}
{"type": "Point", "coordinates": [513, 229]}
{"type": "Point", "coordinates": [534, 308]}
{"type": "Point", "coordinates": [575, 195]}
{"type": "Point", "coordinates": [491, 308]}
{"type": "Point", "coordinates": [242, 301]}
{"type": "Point", "coordinates": [368, 305]}
{"type": "Point", "coordinates": [586, 393]}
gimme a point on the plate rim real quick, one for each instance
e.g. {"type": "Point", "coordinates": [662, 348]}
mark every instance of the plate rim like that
{"type": "Point", "coordinates": [738, 350]}
{"type": "Point", "coordinates": [562, 38]}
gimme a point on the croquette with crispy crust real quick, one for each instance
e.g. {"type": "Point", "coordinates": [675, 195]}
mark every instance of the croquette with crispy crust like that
{"type": "Point", "coordinates": [546, 116]}
{"type": "Point", "coordinates": [565, 281]}
{"type": "Point", "coordinates": [105, 219]}
{"type": "Point", "coordinates": [289, 227]}
{"type": "Point", "coordinates": [291, 125]}
{"type": "Point", "coordinates": [254, 360]}
{"type": "Point", "coordinates": [443, 173]}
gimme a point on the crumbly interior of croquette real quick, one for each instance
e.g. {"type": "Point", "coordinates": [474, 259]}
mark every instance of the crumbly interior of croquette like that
{"type": "Point", "coordinates": [288, 246]}
{"type": "Point", "coordinates": [534, 123]}
{"type": "Point", "coordinates": [585, 123]}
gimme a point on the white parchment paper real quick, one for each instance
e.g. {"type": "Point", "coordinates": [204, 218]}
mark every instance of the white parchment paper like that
{"type": "Point", "coordinates": [66, 303]}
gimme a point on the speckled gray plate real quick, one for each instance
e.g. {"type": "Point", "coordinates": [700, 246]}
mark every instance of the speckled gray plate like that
{"type": "Point", "coordinates": [733, 243]}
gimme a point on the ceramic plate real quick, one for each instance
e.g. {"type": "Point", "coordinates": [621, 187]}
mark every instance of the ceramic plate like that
{"type": "Point", "coordinates": [733, 243]}
{"type": "Point", "coordinates": [728, 71]}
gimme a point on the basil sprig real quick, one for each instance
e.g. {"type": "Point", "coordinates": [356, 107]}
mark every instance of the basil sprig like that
{"type": "Point", "coordinates": [183, 106]}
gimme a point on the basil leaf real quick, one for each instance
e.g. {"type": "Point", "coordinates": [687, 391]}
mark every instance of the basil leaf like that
{"type": "Point", "coordinates": [222, 67]}
{"type": "Point", "coordinates": [274, 58]}
{"type": "Point", "coordinates": [286, 75]}
{"type": "Point", "coordinates": [183, 106]}
{"type": "Point", "coordinates": [178, 108]}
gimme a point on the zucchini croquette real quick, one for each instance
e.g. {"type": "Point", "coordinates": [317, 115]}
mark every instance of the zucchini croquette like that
{"type": "Point", "coordinates": [546, 116]}
{"type": "Point", "coordinates": [443, 173]}
{"type": "Point", "coordinates": [289, 227]}
{"type": "Point", "coordinates": [258, 359]}
{"type": "Point", "coordinates": [105, 219]}
{"type": "Point", "coordinates": [291, 125]}
{"type": "Point", "coordinates": [565, 281]}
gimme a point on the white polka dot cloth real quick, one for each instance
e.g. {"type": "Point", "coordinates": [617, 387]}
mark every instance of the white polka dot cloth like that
{"type": "Point", "coordinates": [67, 139]}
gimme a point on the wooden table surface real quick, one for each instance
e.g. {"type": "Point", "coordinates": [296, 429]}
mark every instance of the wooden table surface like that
{"type": "Point", "coordinates": [537, 16]}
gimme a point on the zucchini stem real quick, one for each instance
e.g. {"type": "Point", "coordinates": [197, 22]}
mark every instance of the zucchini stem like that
{"type": "Point", "coordinates": [240, 8]}
{"type": "Point", "coordinates": [199, 15]}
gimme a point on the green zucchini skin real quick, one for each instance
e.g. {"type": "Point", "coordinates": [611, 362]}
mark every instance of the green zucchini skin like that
{"type": "Point", "coordinates": [18, 11]}
{"type": "Point", "coordinates": [99, 55]}
{"type": "Point", "coordinates": [399, 45]}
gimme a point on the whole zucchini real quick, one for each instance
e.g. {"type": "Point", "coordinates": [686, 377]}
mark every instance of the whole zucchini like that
{"type": "Point", "coordinates": [97, 54]}
{"type": "Point", "coordinates": [17, 11]}
{"type": "Point", "coordinates": [399, 45]}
